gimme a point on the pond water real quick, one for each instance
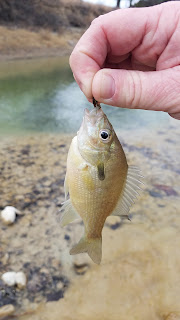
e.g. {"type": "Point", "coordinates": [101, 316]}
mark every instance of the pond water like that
{"type": "Point", "coordinates": [41, 108]}
{"type": "Point", "coordinates": [42, 96]}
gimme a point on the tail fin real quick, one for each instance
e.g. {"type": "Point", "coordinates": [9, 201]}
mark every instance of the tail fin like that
{"type": "Point", "coordinates": [92, 246]}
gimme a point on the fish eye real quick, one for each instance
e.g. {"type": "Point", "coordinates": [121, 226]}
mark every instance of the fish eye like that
{"type": "Point", "coordinates": [105, 135]}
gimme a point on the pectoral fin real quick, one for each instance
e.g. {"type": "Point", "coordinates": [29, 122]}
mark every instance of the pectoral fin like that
{"type": "Point", "coordinates": [101, 174]}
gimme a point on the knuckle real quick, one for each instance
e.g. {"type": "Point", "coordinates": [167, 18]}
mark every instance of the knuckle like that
{"type": "Point", "coordinates": [134, 97]}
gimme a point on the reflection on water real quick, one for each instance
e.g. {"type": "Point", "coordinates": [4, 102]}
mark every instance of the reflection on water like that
{"type": "Point", "coordinates": [42, 96]}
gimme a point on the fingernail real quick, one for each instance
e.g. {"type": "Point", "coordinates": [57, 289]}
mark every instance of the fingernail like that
{"type": "Point", "coordinates": [107, 86]}
{"type": "Point", "coordinates": [86, 86]}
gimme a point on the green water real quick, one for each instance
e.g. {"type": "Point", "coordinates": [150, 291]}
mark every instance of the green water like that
{"type": "Point", "coordinates": [42, 96]}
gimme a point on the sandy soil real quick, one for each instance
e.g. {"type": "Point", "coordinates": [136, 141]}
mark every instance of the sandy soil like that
{"type": "Point", "coordinates": [140, 272]}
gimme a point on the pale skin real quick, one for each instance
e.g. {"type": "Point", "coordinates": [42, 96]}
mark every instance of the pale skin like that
{"type": "Point", "coordinates": [130, 58]}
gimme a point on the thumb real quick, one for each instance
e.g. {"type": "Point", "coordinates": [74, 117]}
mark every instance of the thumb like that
{"type": "Point", "coordinates": [156, 90]}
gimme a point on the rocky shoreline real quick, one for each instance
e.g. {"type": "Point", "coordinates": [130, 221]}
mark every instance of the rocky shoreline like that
{"type": "Point", "coordinates": [32, 177]}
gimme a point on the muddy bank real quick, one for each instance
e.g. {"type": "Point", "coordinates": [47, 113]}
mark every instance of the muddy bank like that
{"type": "Point", "coordinates": [139, 275]}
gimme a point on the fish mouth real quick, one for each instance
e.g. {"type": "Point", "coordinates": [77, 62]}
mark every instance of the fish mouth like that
{"type": "Point", "coordinates": [93, 115]}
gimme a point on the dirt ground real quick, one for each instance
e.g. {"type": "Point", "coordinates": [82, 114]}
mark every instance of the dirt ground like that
{"type": "Point", "coordinates": [140, 271]}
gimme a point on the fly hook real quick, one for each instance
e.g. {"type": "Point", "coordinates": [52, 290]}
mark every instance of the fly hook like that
{"type": "Point", "coordinates": [96, 103]}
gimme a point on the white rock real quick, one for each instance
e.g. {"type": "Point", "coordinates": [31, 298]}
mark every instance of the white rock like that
{"type": "Point", "coordinates": [9, 278]}
{"type": "Point", "coordinates": [8, 215]}
{"type": "Point", "coordinates": [6, 310]}
{"type": "Point", "coordinates": [21, 280]}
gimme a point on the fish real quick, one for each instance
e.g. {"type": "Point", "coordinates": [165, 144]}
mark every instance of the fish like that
{"type": "Point", "coordinates": [98, 181]}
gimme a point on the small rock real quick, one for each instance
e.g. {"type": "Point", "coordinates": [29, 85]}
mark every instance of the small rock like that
{"type": "Point", "coordinates": [20, 197]}
{"type": "Point", "coordinates": [9, 278]}
{"type": "Point", "coordinates": [116, 222]}
{"type": "Point", "coordinates": [81, 265]}
{"type": "Point", "coordinates": [115, 225]}
{"type": "Point", "coordinates": [44, 270]}
{"type": "Point", "coordinates": [168, 190]}
{"type": "Point", "coordinates": [172, 316]}
{"type": "Point", "coordinates": [8, 215]}
{"type": "Point", "coordinates": [6, 310]}
{"type": "Point", "coordinates": [36, 284]}
{"type": "Point", "coordinates": [81, 270]}
{"type": "Point", "coordinates": [66, 237]}
{"type": "Point", "coordinates": [47, 183]}
{"type": "Point", "coordinates": [21, 280]}
{"type": "Point", "coordinates": [55, 263]}
{"type": "Point", "coordinates": [12, 278]}
{"type": "Point", "coordinates": [155, 194]}
{"type": "Point", "coordinates": [55, 296]}
{"type": "Point", "coordinates": [60, 285]}
{"type": "Point", "coordinates": [5, 259]}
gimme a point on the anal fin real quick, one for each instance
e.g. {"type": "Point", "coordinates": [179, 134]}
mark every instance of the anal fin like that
{"type": "Point", "coordinates": [69, 214]}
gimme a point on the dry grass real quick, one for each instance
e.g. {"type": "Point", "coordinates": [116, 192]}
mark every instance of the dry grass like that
{"type": "Point", "coordinates": [26, 42]}
{"type": "Point", "coordinates": [47, 27]}
{"type": "Point", "coordinates": [21, 38]}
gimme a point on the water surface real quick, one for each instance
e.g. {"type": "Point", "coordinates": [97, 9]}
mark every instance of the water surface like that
{"type": "Point", "coordinates": [42, 96]}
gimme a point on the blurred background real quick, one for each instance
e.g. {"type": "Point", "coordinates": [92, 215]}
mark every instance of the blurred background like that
{"type": "Point", "coordinates": [41, 109]}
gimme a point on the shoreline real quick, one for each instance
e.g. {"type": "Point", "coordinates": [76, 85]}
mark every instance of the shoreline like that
{"type": "Point", "coordinates": [41, 43]}
{"type": "Point", "coordinates": [40, 54]}
{"type": "Point", "coordinates": [33, 171]}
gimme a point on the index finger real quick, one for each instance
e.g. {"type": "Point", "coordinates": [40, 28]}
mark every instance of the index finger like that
{"type": "Point", "coordinates": [116, 33]}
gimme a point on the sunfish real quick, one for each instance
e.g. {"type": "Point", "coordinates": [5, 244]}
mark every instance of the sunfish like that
{"type": "Point", "coordinates": [98, 181]}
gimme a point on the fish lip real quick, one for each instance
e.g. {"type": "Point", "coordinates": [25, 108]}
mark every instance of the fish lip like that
{"type": "Point", "coordinates": [93, 115]}
{"type": "Point", "coordinates": [86, 115]}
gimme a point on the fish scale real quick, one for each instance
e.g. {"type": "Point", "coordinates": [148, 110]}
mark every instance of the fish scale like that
{"type": "Point", "coordinates": [98, 180]}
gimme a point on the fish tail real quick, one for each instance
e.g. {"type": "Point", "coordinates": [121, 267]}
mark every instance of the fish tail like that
{"type": "Point", "coordinates": [93, 247]}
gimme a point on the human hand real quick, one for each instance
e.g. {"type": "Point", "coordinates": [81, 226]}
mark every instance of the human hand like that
{"type": "Point", "coordinates": [131, 58]}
